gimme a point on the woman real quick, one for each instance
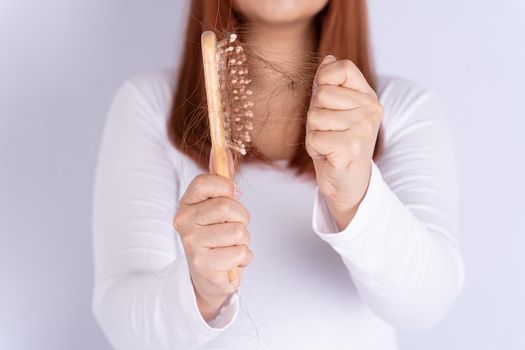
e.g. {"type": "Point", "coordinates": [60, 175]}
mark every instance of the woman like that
{"type": "Point", "coordinates": [346, 228]}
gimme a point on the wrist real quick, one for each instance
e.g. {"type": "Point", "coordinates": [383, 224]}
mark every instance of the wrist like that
{"type": "Point", "coordinates": [209, 307]}
{"type": "Point", "coordinates": [342, 214]}
{"type": "Point", "coordinates": [344, 208]}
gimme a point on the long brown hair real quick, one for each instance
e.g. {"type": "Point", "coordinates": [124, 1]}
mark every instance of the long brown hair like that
{"type": "Point", "coordinates": [342, 30]}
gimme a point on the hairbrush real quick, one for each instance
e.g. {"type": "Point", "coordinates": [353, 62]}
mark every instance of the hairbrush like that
{"type": "Point", "coordinates": [227, 81]}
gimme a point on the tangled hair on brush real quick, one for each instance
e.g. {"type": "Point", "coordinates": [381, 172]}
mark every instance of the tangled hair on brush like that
{"type": "Point", "coordinates": [341, 30]}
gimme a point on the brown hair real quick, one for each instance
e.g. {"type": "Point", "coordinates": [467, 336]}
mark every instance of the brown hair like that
{"type": "Point", "coordinates": [342, 30]}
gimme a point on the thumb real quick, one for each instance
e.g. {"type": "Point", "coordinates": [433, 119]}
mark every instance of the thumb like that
{"type": "Point", "coordinates": [231, 164]}
{"type": "Point", "coordinates": [326, 60]}
{"type": "Point", "coordinates": [316, 156]}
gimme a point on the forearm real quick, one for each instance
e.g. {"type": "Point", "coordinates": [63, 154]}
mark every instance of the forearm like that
{"type": "Point", "coordinates": [154, 310]}
{"type": "Point", "coordinates": [409, 274]}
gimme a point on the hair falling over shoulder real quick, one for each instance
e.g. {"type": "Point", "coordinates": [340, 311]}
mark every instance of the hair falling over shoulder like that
{"type": "Point", "coordinates": [341, 29]}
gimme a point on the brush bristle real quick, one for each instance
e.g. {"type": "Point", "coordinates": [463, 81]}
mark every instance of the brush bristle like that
{"type": "Point", "coordinates": [234, 81]}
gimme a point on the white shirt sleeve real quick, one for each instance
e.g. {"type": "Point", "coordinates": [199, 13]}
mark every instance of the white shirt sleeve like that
{"type": "Point", "coordinates": [143, 296]}
{"type": "Point", "coordinates": [401, 248]}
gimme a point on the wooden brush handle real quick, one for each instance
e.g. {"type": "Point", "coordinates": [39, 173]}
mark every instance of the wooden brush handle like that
{"type": "Point", "coordinates": [213, 97]}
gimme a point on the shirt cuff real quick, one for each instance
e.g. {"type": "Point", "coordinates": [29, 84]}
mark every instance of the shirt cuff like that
{"type": "Point", "coordinates": [347, 241]}
{"type": "Point", "coordinates": [224, 318]}
{"type": "Point", "coordinates": [227, 313]}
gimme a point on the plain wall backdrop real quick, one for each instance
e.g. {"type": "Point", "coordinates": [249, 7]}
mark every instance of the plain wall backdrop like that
{"type": "Point", "coordinates": [62, 60]}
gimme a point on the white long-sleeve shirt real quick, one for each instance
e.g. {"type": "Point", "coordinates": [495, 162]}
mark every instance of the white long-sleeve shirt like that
{"type": "Point", "coordinates": [396, 265]}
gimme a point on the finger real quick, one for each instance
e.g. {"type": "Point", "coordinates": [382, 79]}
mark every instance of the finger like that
{"type": "Point", "coordinates": [223, 235]}
{"type": "Point", "coordinates": [219, 210]}
{"type": "Point", "coordinates": [327, 119]}
{"type": "Point", "coordinates": [207, 186]}
{"type": "Point", "coordinates": [346, 144]}
{"type": "Point", "coordinates": [343, 73]}
{"type": "Point", "coordinates": [326, 143]}
{"type": "Point", "coordinates": [339, 98]}
{"type": "Point", "coordinates": [227, 258]}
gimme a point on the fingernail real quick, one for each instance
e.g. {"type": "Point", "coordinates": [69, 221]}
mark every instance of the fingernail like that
{"type": "Point", "coordinates": [328, 59]}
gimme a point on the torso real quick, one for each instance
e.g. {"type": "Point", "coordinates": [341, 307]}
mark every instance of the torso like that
{"type": "Point", "coordinates": [296, 293]}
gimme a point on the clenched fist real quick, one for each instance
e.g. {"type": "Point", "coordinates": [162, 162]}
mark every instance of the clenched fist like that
{"type": "Point", "coordinates": [212, 225]}
{"type": "Point", "coordinates": [341, 131]}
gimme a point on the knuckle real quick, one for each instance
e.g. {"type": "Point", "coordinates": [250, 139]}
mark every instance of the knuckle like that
{"type": "Point", "coordinates": [308, 142]}
{"type": "Point", "coordinates": [380, 114]}
{"type": "Point", "coordinates": [312, 119]}
{"type": "Point", "coordinates": [200, 182]}
{"type": "Point", "coordinates": [312, 114]}
{"type": "Point", "coordinates": [377, 109]}
{"type": "Point", "coordinates": [176, 222]}
{"type": "Point", "coordinates": [247, 216]}
{"type": "Point", "coordinates": [188, 240]}
{"type": "Point", "coordinates": [224, 206]}
{"type": "Point", "coordinates": [241, 253]}
{"type": "Point", "coordinates": [347, 64]}
{"type": "Point", "coordinates": [196, 262]}
{"type": "Point", "coordinates": [179, 220]}
{"type": "Point", "coordinates": [321, 94]}
{"type": "Point", "coordinates": [245, 253]}
{"type": "Point", "coordinates": [247, 237]}
{"type": "Point", "coordinates": [248, 257]}
{"type": "Point", "coordinates": [238, 232]}
{"type": "Point", "coordinates": [308, 137]}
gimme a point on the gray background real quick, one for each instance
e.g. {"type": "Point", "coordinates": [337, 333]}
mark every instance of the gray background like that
{"type": "Point", "coordinates": [61, 61]}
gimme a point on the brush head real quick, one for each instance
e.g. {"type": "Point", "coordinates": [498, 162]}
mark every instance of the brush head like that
{"type": "Point", "coordinates": [234, 83]}
{"type": "Point", "coordinates": [227, 79]}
